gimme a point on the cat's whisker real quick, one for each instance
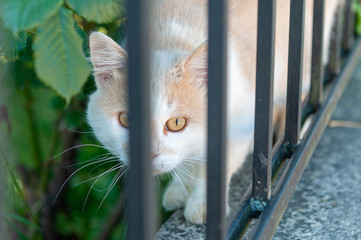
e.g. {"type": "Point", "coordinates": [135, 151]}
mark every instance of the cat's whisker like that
{"type": "Point", "coordinates": [111, 186]}
{"type": "Point", "coordinates": [190, 157]}
{"type": "Point", "coordinates": [183, 170]}
{"type": "Point", "coordinates": [193, 158]}
{"type": "Point", "coordinates": [78, 146]}
{"type": "Point", "coordinates": [72, 130]}
{"type": "Point", "coordinates": [97, 158]}
{"type": "Point", "coordinates": [100, 190]}
{"type": "Point", "coordinates": [101, 160]}
{"type": "Point", "coordinates": [117, 166]}
{"type": "Point", "coordinates": [110, 160]}
{"type": "Point", "coordinates": [77, 184]}
{"type": "Point", "coordinates": [62, 186]}
{"type": "Point", "coordinates": [186, 191]}
{"type": "Point", "coordinates": [158, 181]}
{"type": "Point", "coordinates": [194, 165]}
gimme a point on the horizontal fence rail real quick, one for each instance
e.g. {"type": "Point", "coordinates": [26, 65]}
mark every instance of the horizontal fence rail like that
{"type": "Point", "coordinates": [258, 201]}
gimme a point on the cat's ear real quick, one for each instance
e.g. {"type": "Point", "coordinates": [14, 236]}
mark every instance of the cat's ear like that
{"type": "Point", "coordinates": [197, 63]}
{"type": "Point", "coordinates": [106, 55]}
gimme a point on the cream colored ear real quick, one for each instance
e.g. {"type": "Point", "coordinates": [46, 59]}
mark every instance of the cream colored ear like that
{"type": "Point", "coordinates": [197, 62]}
{"type": "Point", "coordinates": [106, 55]}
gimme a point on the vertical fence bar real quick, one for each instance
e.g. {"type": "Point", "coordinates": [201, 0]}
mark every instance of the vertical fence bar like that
{"type": "Point", "coordinates": [334, 65]}
{"type": "Point", "coordinates": [262, 160]}
{"type": "Point", "coordinates": [317, 54]}
{"type": "Point", "coordinates": [348, 30]}
{"type": "Point", "coordinates": [140, 195]}
{"type": "Point", "coordinates": [217, 145]}
{"type": "Point", "coordinates": [295, 70]}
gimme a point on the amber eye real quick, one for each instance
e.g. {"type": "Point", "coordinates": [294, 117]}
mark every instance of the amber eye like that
{"type": "Point", "coordinates": [176, 124]}
{"type": "Point", "coordinates": [123, 119]}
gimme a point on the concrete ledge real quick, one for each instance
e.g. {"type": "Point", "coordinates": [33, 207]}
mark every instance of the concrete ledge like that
{"type": "Point", "coordinates": [327, 200]}
{"type": "Point", "coordinates": [177, 228]}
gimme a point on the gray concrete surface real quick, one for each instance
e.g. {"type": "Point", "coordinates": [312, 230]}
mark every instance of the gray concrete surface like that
{"type": "Point", "coordinates": [327, 201]}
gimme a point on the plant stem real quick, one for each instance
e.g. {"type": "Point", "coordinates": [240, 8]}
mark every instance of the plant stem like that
{"type": "Point", "coordinates": [15, 182]}
{"type": "Point", "coordinates": [33, 127]}
{"type": "Point", "coordinates": [44, 177]}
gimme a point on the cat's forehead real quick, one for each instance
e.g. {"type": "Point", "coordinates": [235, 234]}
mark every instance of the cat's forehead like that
{"type": "Point", "coordinates": [164, 61]}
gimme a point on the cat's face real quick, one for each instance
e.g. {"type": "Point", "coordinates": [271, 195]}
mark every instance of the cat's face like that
{"type": "Point", "coordinates": [178, 94]}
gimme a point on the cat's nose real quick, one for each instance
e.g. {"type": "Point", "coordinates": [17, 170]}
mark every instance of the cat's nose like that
{"type": "Point", "coordinates": [154, 155]}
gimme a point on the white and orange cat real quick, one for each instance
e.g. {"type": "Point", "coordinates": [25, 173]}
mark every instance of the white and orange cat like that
{"type": "Point", "coordinates": [179, 91]}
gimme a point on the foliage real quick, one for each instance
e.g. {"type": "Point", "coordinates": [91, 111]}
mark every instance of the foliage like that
{"type": "Point", "coordinates": [100, 11]}
{"type": "Point", "coordinates": [357, 9]}
{"type": "Point", "coordinates": [11, 45]}
{"type": "Point", "coordinates": [42, 45]}
{"type": "Point", "coordinates": [57, 184]}
{"type": "Point", "coordinates": [60, 62]}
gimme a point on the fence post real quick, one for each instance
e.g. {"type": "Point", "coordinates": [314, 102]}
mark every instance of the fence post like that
{"type": "Point", "coordinates": [262, 160]}
{"type": "Point", "coordinates": [141, 204]}
{"type": "Point", "coordinates": [334, 65]}
{"type": "Point", "coordinates": [316, 90]}
{"type": "Point", "coordinates": [295, 70]}
{"type": "Point", "coordinates": [349, 26]}
{"type": "Point", "coordinates": [217, 144]}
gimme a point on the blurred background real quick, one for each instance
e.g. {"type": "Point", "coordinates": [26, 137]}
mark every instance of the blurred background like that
{"type": "Point", "coordinates": [53, 172]}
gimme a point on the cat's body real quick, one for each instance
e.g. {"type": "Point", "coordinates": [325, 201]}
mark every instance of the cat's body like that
{"type": "Point", "coordinates": [179, 89]}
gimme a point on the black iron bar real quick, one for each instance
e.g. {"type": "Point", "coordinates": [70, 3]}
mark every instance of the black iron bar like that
{"type": "Point", "coordinates": [348, 30]}
{"type": "Point", "coordinates": [334, 65]}
{"type": "Point", "coordinates": [273, 212]}
{"type": "Point", "coordinates": [217, 145]}
{"type": "Point", "coordinates": [243, 216]}
{"type": "Point", "coordinates": [245, 212]}
{"type": "Point", "coordinates": [317, 54]}
{"type": "Point", "coordinates": [295, 70]}
{"type": "Point", "coordinates": [141, 204]}
{"type": "Point", "coordinates": [262, 160]}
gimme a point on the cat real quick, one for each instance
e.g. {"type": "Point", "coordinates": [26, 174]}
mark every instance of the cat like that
{"type": "Point", "coordinates": [179, 91]}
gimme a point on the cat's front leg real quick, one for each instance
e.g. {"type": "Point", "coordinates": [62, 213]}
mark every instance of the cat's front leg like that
{"type": "Point", "coordinates": [175, 195]}
{"type": "Point", "coordinates": [195, 210]}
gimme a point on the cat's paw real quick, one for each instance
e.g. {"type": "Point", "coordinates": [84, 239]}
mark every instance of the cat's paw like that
{"type": "Point", "coordinates": [173, 198]}
{"type": "Point", "coordinates": [195, 210]}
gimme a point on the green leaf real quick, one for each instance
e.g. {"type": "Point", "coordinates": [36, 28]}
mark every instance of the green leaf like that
{"type": "Point", "coordinates": [59, 60]}
{"type": "Point", "coordinates": [99, 11]}
{"type": "Point", "coordinates": [11, 45]}
{"type": "Point", "coordinates": [24, 14]}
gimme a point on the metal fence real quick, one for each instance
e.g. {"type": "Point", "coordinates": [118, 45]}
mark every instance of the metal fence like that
{"type": "Point", "coordinates": [259, 202]}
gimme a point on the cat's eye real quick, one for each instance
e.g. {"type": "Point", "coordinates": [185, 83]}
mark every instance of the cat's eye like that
{"type": "Point", "coordinates": [176, 124]}
{"type": "Point", "coordinates": [123, 119]}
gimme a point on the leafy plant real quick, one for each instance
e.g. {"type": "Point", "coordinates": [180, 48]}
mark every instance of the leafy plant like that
{"type": "Point", "coordinates": [45, 79]}
{"type": "Point", "coordinates": [59, 59]}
